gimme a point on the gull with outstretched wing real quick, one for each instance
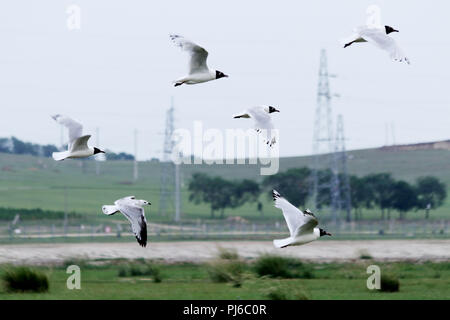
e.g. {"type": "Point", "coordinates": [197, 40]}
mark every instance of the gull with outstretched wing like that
{"type": "Point", "coordinates": [301, 224]}
{"type": "Point", "coordinates": [133, 210]}
{"type": "Point", "coordinates": [77, 146]}
{"type": "Point", "coordinates": [198, 69]}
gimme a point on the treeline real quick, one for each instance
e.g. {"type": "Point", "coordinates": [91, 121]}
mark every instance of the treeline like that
{"type": "Point", "coordinates": [373, 191]}
{"type": "Point", "coordinates": [220, 193]}
{"type": "Point", "coordinates": [15, 146]}
{"type": "Point", "coordinates": [8, 214]}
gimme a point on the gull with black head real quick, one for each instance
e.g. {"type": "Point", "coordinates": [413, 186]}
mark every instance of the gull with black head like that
{"type": "Point", "coordinates": [379, 36]}
{"type": "Point", "coordinates": [77, 147]}
{"type": "Point", "coordinates": [198, 69]}
{"type": "Point", "coordinates": [301, 224]}
{"type": "Point", "coordinates": [263, 120]}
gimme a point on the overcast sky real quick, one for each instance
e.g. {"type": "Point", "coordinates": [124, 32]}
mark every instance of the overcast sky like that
{"type": "Point", "coordinates": [115, 72]}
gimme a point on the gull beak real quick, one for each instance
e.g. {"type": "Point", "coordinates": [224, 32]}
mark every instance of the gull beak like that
{"type": "Point", "coordinates": [328, 234]}
{"type": "Point", "coordinates": [277, 110]}
{"type": "Point", "coordinates": [395, 30]}
{"type": "Point", "coordinates": [225, 75]}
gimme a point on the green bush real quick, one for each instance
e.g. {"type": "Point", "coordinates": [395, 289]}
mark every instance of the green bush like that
{"type": "Point", "coordinates": [135, 271]}
{"type": "Point", "coordinates": [154, 271]}
{"type": "Point", "coordinates": [122, 272]}
{"type": "Point", "coordinates": [389, 283]}
{"type": "Point", "coordinates": [145, 270]}
{"type": "Point", "coordinates": [228, 254]}
{"type": "Point", "coordinates": [365, 255]}
{"type": "Point", "coordinates": [281, 267]}
{"type": "Point", "coordinates": [286, 292]}
{"type": "Point", "coordinates": [23, 279]}
{"type": "Point", "coordinates": [227, 271]}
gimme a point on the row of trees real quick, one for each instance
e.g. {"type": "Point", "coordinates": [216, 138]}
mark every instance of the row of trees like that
{"type": "Point", "coordinates": [220, 193]}
{"type": "Point", "coordinates": [373, 191]}
{"type": "Point", "coordinates": [16, 146]}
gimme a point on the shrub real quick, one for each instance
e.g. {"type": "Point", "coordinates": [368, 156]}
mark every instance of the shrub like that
{"type": "Point", "coordinates": [389, 283]}
{"type": "Point", "coordinates": [156, 275]}
{"type": "Point", "coordinates": [286, 292]}
{"type": "Point", "coordinates": [227, 271]}
{"type": "Point", "coordinates": [148, 270]}
{"type": "Point", "coordinates": [153, 271]}
{"type": "Point", "coordinates": [22, 279]}
{"type": "Point", "coordinates": [365, 255]}
{"type": "Point", "coordinates": [122, 272]}
{"type": "Point", "coordinates": [281, 267]}
{"type": "Point", "coordinates": [228, 254]}
{"type": "Point", "coordinates": [135, 271]}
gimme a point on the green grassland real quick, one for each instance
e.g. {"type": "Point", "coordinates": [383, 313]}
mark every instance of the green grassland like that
{"type": "Point", "coordinates": [191, 281]}
{"type": "Point", "coordinates": [32, 182]}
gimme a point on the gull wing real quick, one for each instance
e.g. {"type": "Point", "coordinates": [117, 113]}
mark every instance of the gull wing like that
{"type": "Point", "coordinates": [379, 38]}
{"type": "Point", "coordinates": [75, 128]}
{"type": "Point", "coordinates": [80, 143]}
{"type": "Point", "coordinates": [136, 216]}
{"type": "Point", "coordinates": [295, 219]}
{"type": "Point", "coordinates": [197, 53]}
{"type": "Point", "coordinates": [309, 223]}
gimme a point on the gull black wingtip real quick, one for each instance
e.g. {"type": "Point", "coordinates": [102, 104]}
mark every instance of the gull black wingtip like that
{"type": "Point", "coordinates": [275, 194]}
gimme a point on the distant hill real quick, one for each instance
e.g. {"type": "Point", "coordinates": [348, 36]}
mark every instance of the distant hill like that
{"type": "Point", "coordinates": [435, 145]}
{"type": "Point", "coordinates": [35, 182]}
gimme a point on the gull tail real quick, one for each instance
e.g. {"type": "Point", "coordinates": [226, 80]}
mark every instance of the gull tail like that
{"type": "Point", "coordinates": [281, 243]}
{"type": "Point", "coordinates": [58, 156]}
{"type": "Point", "coordinates": [109, 210]}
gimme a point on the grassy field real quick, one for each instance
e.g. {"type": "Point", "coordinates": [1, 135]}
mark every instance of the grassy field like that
{"type": "Point", "coordinates": [192, 281]}
{"type": "Point", "coordinates": [30, 182]}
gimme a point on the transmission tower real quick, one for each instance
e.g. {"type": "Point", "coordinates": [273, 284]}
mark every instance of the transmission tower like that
{"type": "Point", "coordinates": [341, 183]}
{"type": "Point", "coordinates": [167, 184]}
{"type": "Point", "coordinates": [322, 139]}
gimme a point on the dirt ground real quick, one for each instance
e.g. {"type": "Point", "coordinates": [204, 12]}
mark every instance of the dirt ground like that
{"type": "Point", "coordinates": [197, 251]}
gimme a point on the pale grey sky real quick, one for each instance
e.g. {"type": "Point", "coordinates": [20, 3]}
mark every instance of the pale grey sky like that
{"type": "Point", "coordinates": [116, 72]}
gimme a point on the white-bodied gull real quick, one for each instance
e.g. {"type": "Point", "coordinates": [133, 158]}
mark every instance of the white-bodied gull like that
{"type": "Point", "coordinates": [379, 37]}
{"type": "Point", "coordinates": [133, 210]}
{"type": "Point", "coordinates": [301, 224]}
{"type": "Point", "coordinates": [77, 147]}
{"type": "Point", "coordinates": [263, 120]}
{"type": "Point", "coordinates": [198, 69]}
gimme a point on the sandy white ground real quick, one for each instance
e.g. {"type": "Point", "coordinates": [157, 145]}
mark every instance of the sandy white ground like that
{"type": "Point", "coordinates": [196, 251]}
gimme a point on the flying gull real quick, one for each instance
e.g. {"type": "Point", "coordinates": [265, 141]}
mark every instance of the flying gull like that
{"type": "Point", "coordinates": [198, 69]}
{"type": "Point", "coordinates": [77, 147]}
{"type": "Point", "coordinates": [262, 118]}
{"type": "Point", "coordinates": [133, 210]}
{"type": "Point", "coordinates": [379, 36]}
{"type": "Point", "coordinates": [301, 224]}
